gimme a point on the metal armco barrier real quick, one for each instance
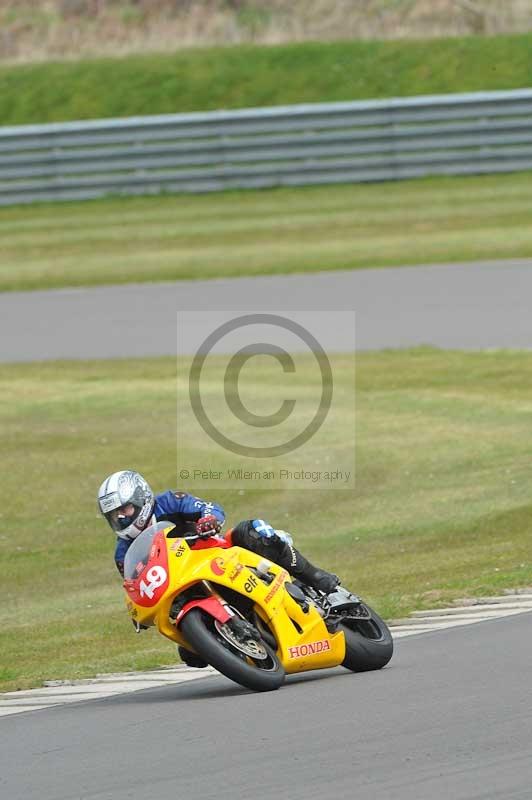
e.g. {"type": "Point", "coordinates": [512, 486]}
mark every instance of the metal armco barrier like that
{"type": "Point", "coordinates": [257, 148]}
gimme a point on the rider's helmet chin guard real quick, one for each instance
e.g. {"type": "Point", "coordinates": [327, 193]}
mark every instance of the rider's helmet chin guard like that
{"type": "Point", "coordinates": [120, 490]}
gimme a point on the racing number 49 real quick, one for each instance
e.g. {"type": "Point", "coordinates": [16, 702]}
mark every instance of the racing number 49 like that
{"type": "Point", "coordinates": [156, 577]}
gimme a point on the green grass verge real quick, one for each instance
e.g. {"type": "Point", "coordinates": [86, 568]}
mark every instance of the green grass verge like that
{"type": "Point", "coordinates": [442, 505]}
{"type": "Point", "coordinates": [267, 232]}
{"type": "Point", "coordinates": [237, 77]}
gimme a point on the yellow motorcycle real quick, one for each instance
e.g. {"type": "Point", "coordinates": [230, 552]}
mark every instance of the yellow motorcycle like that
{"type": "Point", "coordinates": [245, 615]}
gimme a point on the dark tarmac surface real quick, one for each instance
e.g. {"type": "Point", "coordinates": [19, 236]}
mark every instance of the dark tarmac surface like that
{"type": "Point", "coordinates": [464, 306]}
{"type": "Point", "coordinates": [450, 718]}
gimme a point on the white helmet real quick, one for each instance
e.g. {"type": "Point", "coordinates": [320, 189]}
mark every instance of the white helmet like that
{"type": "Point", "coordinates": [122, 489]}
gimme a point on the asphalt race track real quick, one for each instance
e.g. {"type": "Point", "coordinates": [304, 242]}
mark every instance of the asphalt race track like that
{"type": "Point", "coordinates": [449, 719]}
{"type": "Point", "coordinates": [452, 306]}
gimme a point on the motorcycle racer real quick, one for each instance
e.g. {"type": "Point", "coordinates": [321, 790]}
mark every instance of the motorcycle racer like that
{"type": "Point", "coordinates": [129, 505]}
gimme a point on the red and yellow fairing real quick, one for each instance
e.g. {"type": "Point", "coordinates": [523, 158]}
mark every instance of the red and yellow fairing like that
{"type": "Point", "coordinates": [304, 642]}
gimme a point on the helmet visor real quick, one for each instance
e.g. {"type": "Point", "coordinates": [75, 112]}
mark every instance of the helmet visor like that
{"type": "Point", "coordinates": [122, 517]}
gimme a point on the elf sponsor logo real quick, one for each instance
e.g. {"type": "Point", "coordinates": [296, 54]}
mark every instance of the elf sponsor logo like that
{"type": "Point", "coordinates": [250, 584]}
{"type": "Point", "coordinates": [310, 649]}
{"type": "Point", "coordinates": [178, 547]}
{"type": "Point", "coordinates": [218, 566]}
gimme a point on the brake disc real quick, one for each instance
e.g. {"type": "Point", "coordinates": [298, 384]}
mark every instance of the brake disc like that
{"type": "Point", "coordinates": [250, 647]}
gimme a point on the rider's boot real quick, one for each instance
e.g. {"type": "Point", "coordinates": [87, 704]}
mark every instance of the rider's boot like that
{"type": "Point", "coordinates": [287, 556]}
{"type": "Point", "coordinates": [315, 577]}
{"type": "Point", "coordinates": [300, 567]}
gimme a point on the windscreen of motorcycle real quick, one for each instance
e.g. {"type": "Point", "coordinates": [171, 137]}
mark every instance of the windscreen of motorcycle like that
{"type": "Point", "coordinates": [138, 554]}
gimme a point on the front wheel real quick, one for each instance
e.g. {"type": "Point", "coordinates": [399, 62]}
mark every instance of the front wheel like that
{"type": "Point", "coordinates": [368, 643]}
{"type": "Point", "coordinates": [250, 663]}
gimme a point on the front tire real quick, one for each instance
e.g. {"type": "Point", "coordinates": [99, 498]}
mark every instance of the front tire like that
{"type": "Point", "coordinates": [368, 643]}
{"type": "Point", "coordinates": [260, 675]}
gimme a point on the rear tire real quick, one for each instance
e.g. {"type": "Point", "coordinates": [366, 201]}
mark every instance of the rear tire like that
{"type": "Point", "coordinates": [368, 644]}
{"type": "Point", "coordinates": [258, 675]}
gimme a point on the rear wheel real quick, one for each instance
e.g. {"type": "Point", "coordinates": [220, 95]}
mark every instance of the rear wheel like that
{"type": "Point", "coordinates": [247, 660]}
{"type": "Point", "coordinates": [368, 643]}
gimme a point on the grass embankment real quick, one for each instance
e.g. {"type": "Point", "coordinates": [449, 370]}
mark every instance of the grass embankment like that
{"type": "Point", "coordinates": [442, 506]}
{"type": "Point", "coordinates": [246, 76]}
{"type": "Point", "coordinates": [268, 232]}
